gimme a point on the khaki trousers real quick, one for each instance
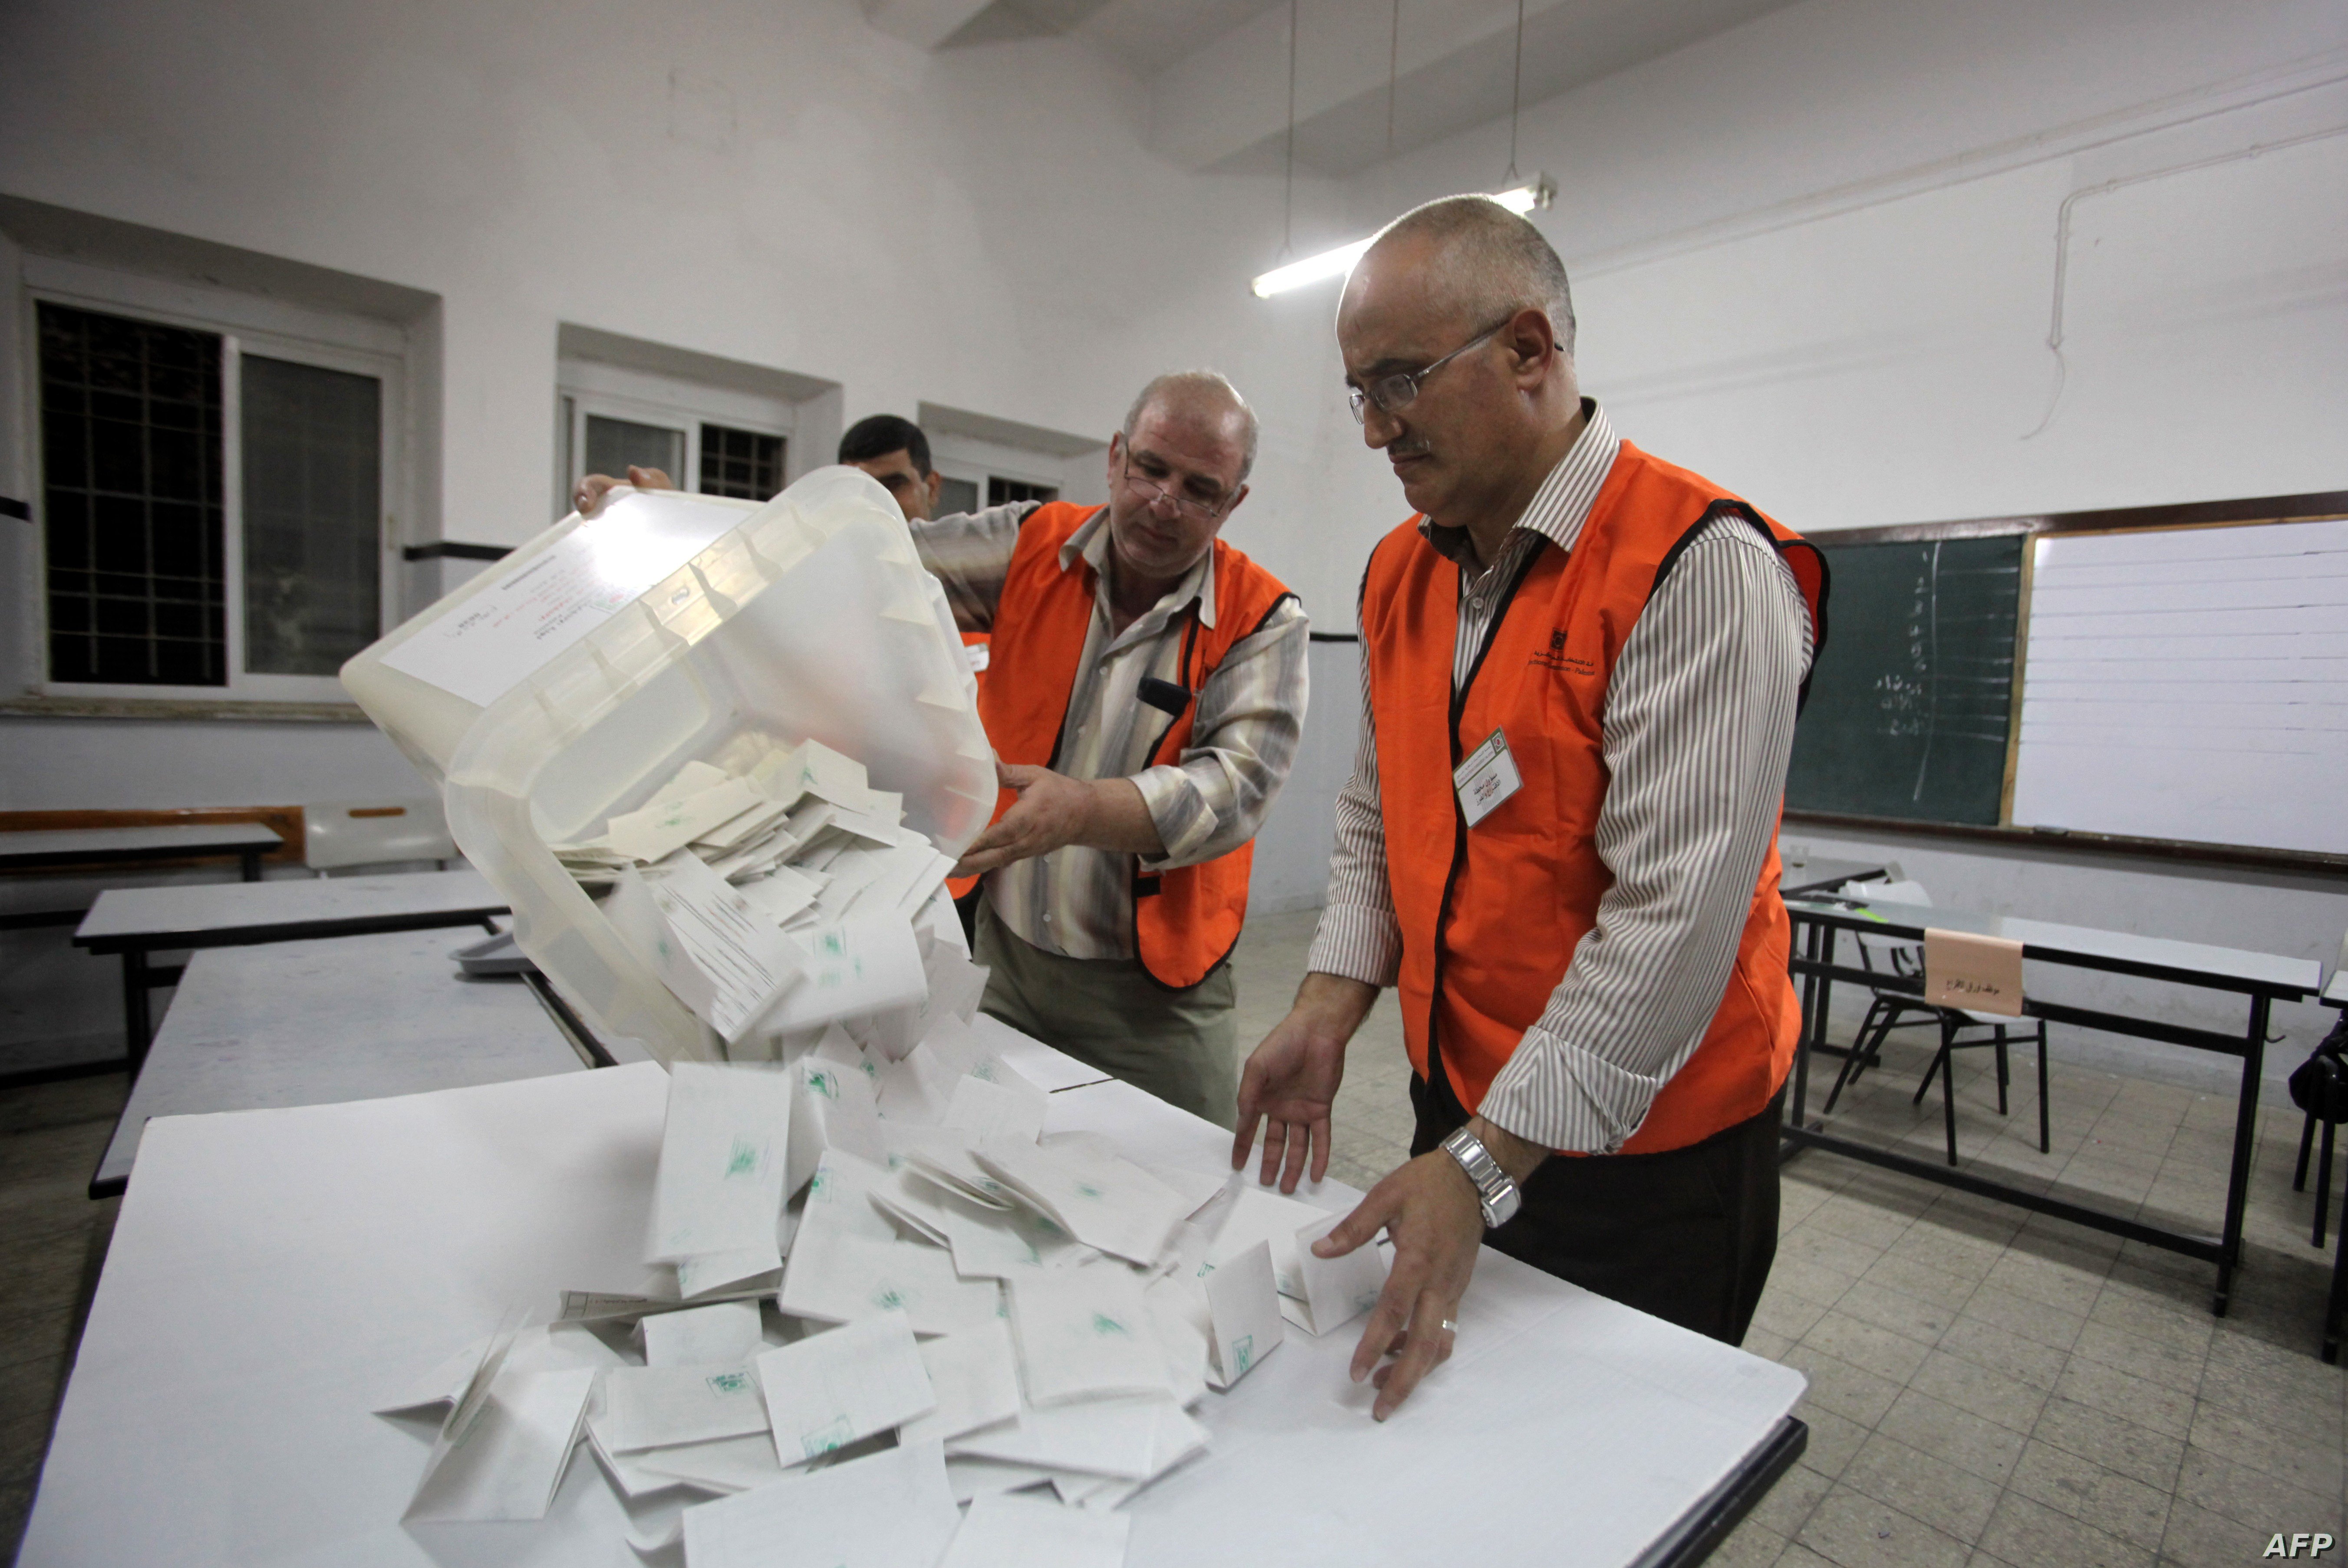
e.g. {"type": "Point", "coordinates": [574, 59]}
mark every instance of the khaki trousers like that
{"type": "Point", "coordinates": [1181, 1046]}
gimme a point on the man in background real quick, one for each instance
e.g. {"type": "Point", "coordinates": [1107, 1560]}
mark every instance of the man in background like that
{"type": "Point", "coordinates": [892, 449]}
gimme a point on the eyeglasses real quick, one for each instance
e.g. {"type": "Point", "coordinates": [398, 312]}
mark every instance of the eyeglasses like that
{"type": "Point", "coordinates": [1152, 491]}
{"type": "Point", "coordinates": [1395, 393]}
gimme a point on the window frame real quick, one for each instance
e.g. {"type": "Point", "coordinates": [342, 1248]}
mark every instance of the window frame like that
{"type": "Point", "coordinates": [646, 397]}
{"type": "Point", "coordinates": [245, 325]}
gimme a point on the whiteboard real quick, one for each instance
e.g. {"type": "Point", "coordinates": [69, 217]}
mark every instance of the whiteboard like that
{"type": "Point", "coordinates": [2189, 684]}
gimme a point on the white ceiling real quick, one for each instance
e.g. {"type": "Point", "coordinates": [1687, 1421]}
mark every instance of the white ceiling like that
{"type": "Point", "coordinates": [1218, 70]}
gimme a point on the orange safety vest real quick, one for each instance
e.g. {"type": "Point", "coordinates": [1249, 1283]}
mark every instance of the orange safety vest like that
{"type": "Point", "coordinates": [1185, 920]}
{"type": "Point", "coordinates": [1490, 915]}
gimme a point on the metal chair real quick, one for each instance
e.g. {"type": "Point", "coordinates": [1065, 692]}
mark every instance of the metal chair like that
{"type": "Point", "coordinates": [339, 834]}
{"type": "Point", "coordinates": [2307, 1136]}
{"type": "Point", "coordinates": [1898, 1008]}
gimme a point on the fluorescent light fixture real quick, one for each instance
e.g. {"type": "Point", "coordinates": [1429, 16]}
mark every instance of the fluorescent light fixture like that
{"type": "Point", "coordinates": [1540, 192]}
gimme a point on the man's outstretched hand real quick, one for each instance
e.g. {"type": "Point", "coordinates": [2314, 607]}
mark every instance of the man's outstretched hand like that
{"type": "Point", "coordinates": [588, 495]}
{"type": "Point", "coordinates": [1291, 1080]}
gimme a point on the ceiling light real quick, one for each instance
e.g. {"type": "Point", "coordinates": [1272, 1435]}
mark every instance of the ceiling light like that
{"type": "Point", "coordinates": [1540, 192]}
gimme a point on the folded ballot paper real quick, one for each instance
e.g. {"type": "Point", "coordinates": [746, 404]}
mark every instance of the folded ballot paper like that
{"type": "Point", "coordinates": [879, 1291]}
{"type": "Point", "coordinates": [778, 897]}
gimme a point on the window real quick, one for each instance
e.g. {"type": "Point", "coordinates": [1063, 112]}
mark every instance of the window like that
{"type": "Point", "coordinates": [1001, 490]}
{"type": "Point", "coordinates": [213, 498]}
{"type": "Point", "coordinates": [715, 440]}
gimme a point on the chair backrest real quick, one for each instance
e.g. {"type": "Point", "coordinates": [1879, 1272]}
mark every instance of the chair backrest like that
{"type": "Point", "coordinates": [1888, 893]}
{"type": "Point", "coordinates": [342, 833]}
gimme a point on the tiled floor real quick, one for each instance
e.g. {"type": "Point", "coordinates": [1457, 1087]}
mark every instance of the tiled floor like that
{"type": "Point", "coordinates": [1986, 1386]}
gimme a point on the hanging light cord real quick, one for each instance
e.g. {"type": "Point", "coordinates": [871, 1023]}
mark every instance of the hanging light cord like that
{"type": "Point", "coordinates": [1516, 89]}
{"type": "Point", "coordinates": [1393, 64]}
{"type": "Point", "coordinates": [1288, 178]}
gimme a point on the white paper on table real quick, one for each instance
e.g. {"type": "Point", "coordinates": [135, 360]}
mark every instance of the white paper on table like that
{"type": "Point", "coordinates": [839, 1278]}
{"type": "Point", "coordinates": [916, 1089]}
{"type": "Point", "coordinates": [748, 962]}
{"type": "Point", "coordinates": [724, 1152]}
{"type": "Point", "coordinates": [1177, 1312]}
{"type": "Point", "coordinates": [541, 605]}
{"type": "Point", "coordinates": [988, 1243]}
{"type": "Point", "coordinates": [947, 1155]}
{"type": "Point", "coordinates": [1006, 1531]}
{"type": "Point", "coordinates": [730, 1275]}
{"type": "Point", "coordinates": [632, 1478]}
{"type": "Point", "coordinates": [1258, 1215]}
{"type": "Point", "coordinates": [993, 1109]}
{"type": "Point", "coordinates": [724, 1465]}
{"type": "Point", "coordinates": [1101, 1200]}
{"type": "Point", "coordinates": [831, 1108]}
{"type": "Point", "coordinates": [976, 1477]}
{"type": "Point", "coordinates": [510, 1457]}
{"type": "Point", "coordinates": [855, 966]}
{"type": "Point", "coordinates": [889, 1510]}
{"type": "Point", "coordinates": [445, 1384]}
{"type": "Point", "coordinates": [660, 1407]}
{"type": "Point", "coordinates": [1177, 1439]}
{"type": "Point", "coordinates": [780, 893]}
{"type": "Point", "coordinates": [1336, 1289]}
{"type": "Point", "coordinates": [976, 1375]}
{"type": "Point", "coordinates": [831, 1389]}
{"type": "Point", "coordinates": [1085, 1334]}
{"type": "Point", "coordinates": [952, 1041]}
{"type": "Point", "coordinates": [1098, 1437]}
{"type": "Point", "coordinates": [1242, 1313]}
{"type": "Point", "coordinates": [654, 832]}
{"type": "Point", "coordinates": [839, 1201]}
{"type": "Point", "coordinates": [1199, 1188]}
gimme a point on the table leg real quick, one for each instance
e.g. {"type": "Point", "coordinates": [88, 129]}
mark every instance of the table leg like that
{"type": "Point", "coordinates": [1802, 1041]}
{"type": "Point", "coordinates": [2245, 1127]}
{"type": "Point", "coordinates": [134, 1024]}
{"type": "Point", "coordinates": [251, 859]}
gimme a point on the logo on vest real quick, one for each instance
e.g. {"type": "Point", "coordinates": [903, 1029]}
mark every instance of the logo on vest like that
{"type": "Point", "coordinates": [1555, 656]}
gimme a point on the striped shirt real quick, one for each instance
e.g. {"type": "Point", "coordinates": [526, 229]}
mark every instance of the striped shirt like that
{"type": "Point", "coordinates": [1697, 732]}
{"type": "Point", "coordinates": [1078, 902]}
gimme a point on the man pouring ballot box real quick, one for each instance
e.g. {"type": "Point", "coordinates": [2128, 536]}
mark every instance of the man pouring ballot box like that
{"type": "Point", "coordinates": [1144, 692]}
{"type": "Point", "coordinates": [1580, 668]}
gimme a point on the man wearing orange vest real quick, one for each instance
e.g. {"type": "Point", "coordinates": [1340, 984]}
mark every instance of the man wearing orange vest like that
{"type": "Point", "coordinates": [1145, 695]}
{"type": "Point", "coordinates": [1581, 667]}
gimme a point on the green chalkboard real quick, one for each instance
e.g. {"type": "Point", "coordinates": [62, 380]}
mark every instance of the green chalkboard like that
{"type": "Point", "coordinates": [1912, 702]}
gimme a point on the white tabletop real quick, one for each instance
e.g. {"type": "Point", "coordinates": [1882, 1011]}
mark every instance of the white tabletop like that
{"type": "Point", "coordinates": [212, 908]}
{"type": "Point", "coordinates": [275, 1270]}
{"type": "Point", "coordinates": [1816, 872]}
{"type": "Point", "coordinates": [333, 1018]}
{"type": "Point", "coordinates": [147, 843]}
{"type": "Point", "coordinates": [2335, 994]}
{"type": "Point", "coordinates": [2044, 939]}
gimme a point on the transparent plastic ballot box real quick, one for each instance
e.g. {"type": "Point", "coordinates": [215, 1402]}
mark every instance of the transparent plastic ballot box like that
{"type": "Point", "coordinates": [571, 682]}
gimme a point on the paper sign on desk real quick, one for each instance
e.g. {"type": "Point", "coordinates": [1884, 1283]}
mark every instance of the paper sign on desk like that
{"type": "Point", "coordinates": [509, 632]}
{"type": "Point", "coordinates": [1243, 1314]}
{"type": "Point", "coordinates": [1982, 974]}
{"type": "Point", "coordinates": [1336, 1289]}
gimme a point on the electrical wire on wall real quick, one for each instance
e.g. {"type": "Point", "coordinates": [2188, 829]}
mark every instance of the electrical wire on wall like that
{"type": "Point", "coordinates": [1516, 94]}
{"type": "Point", "coordinates": [1288, 175]}
{"type": "Point", "coordinates": [2062, 243]}
{"type": "Point", "coordinates": [1394, 72]}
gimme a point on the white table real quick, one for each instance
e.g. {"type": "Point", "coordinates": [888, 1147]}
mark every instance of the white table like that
{"type": "Point", "coordinates": [31, 849]}
{"type": "Point", "coordinates": [137, 921]}
{"type": "Point", "coordinates": [272, 1270]}
{"type": "Point", "coordinates": [1815, 874]}
{"type": "Point", "coordinates": [335, 1019]}
{"type": "Point", "coordinates": [2260, 978]}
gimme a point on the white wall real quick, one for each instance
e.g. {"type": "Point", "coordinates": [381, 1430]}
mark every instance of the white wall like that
{"type": "Point", "coordinates": [1814, 258]}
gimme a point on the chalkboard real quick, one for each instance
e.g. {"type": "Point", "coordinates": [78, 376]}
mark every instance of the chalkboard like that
{"type": "Point", "coordinates": [1911, 701]}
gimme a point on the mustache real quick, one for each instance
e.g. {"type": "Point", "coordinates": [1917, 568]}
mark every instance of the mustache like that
{"type": "Point", "coordinates": [1410, 449]}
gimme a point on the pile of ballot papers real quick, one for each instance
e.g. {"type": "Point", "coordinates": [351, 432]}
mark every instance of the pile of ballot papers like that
{"type": "Point", "coordinates": [773, 891]}
{"type": "Point", "coordinates": [880, 1293]}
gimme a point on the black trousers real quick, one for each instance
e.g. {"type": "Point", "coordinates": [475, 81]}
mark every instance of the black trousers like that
{"type": "Point", "coordinates": [1687, 1234]}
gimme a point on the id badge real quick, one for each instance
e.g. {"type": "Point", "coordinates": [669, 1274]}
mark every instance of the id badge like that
{"type": "Point", "coordinates": [1487, 778]}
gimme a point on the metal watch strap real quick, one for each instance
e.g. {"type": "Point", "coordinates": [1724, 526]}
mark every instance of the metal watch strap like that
{"type": "Point", "coordinates": [1496, 1191]}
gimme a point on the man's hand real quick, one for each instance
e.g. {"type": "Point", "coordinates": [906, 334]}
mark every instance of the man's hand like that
{"type": "Point", "coordinates": [1053, 810]}
{"type": "Point", "coordinates": [1429, 1208]}
{"type": "Point", "coordinates": [589, 493]}
{"type": "Point", "coordinates": [1292, 1078]}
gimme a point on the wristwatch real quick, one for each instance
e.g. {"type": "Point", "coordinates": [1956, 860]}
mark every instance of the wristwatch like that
{"type": "Point", "coordinates": [1496, 1192]}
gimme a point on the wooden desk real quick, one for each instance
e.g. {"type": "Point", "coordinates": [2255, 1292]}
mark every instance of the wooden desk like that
{"type": "Point", "coordinates": [281, 1266]}
{"type": "Point", "coordinates": [137, 921]}
{"type": "Point", "coordinates": [333, 1019]}
{"type": "Point", "coordinates": [2261, 980]}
